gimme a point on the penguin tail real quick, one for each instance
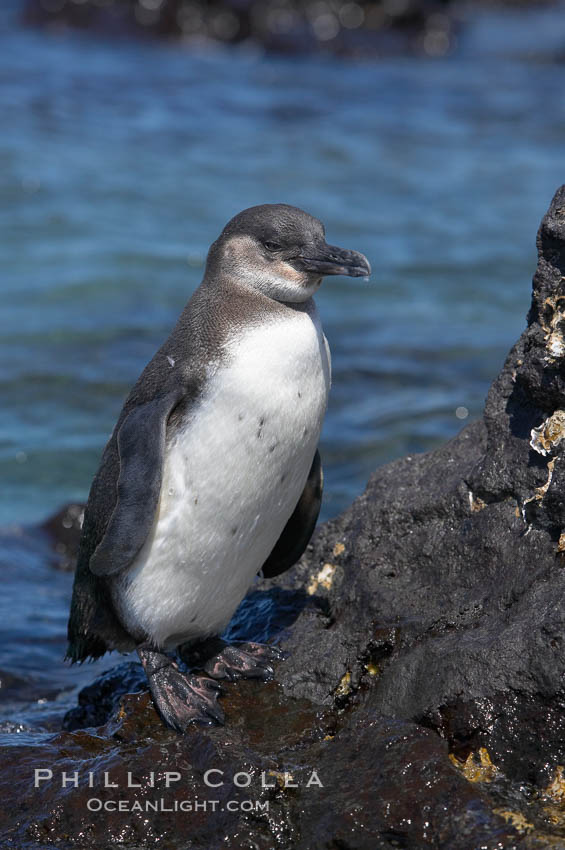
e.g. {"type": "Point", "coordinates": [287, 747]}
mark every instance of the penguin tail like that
{"type": "Point", "coordinates": [84, 648]}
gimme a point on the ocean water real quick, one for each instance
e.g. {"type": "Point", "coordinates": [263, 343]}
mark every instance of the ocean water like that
{"type": "Point", "coordinates": [119, 164]}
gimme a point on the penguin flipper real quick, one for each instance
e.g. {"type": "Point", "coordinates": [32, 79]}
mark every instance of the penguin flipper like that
{"type": "Point", "coordinates": [297, 532]}
{"type": "Point", "coordinates": [141, 449]}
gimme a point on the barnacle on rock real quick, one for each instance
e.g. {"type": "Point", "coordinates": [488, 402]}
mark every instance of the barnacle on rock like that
{"type": "Point", "coordinates": [476, 503]}
{"type": "Point", "coordinates": [554, 327]}
{"type": "Point", "coordinates": [549, 434]}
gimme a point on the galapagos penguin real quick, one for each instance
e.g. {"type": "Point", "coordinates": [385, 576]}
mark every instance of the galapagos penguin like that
{"type": "Point", "coordinates": [212, 472]}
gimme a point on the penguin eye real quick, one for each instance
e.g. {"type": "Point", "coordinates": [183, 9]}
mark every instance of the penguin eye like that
{"type": "Point", "coordinates": [272, 246]}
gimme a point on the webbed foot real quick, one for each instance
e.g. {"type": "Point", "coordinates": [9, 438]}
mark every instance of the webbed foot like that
{"type": "Point", "coordinates": [243, 661]}
{"type": "Point", "coordinates": [180, 698]}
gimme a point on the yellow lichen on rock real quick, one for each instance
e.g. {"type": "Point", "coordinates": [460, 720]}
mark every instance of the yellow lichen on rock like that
{"type": "Point", "coordinates": [556, 788]}
{"type": "Point", "coordinates": [477, 767]}
{"type": "Point", "coordinates": [344, 687]}
{"type": "Point", "coordinates": [338, 550]}
{"type": "Point", "coordinates": [476, 504]}
{"type": "Point", "coordinates": [372, 669]}
{"type": "Point", "coordinates": [283, 779]}
{"type": "Point", "coordinates": [541, 491]}
{"type": "Point", "coordinates": [323, 579]}
{"type": "Point", "coordinates": [554, 795]}
{"type": "Point", "coordinates": [516, 820]}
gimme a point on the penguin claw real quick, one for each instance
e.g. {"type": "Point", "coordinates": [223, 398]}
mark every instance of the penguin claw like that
{"type": "Point", "coordinates": [246, 661]}
{"type": "Point", "coordinates": [263, 650]}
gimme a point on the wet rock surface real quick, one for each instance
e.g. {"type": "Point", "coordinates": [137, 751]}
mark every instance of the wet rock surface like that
{"type": "Point", "coordinates": [98, 701]}
{"type": "Point", "coordinates": [424, 683]}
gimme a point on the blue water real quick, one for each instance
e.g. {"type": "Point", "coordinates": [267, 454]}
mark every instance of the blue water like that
{"type": "Point", "coordinates": [119, 164]}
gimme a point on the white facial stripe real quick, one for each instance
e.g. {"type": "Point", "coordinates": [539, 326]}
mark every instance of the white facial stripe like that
{"type": "Point", "coordinates": [274, 278]}
{"type": "Point", "coordinates": [285, 271]}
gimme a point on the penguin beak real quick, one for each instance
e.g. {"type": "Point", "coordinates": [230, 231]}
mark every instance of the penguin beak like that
{"type": "Point", "coordinates": [328, 259]}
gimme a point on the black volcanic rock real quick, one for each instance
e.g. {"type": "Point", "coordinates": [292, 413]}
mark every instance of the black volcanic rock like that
{"type": "Point", "coordinates": [456, 556]}
{"type": "Point", "coordinates": [384, 784]}
{"type": "Point", "coordinates": [98, 701]}
{"type": "Point", "coordinates": [365, 27]}
{"type": "Point", "coordinates": [425, 680]}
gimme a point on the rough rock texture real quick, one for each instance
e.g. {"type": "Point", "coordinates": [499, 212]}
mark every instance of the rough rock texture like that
{"type": "Point", "coordinates": [425, 677]}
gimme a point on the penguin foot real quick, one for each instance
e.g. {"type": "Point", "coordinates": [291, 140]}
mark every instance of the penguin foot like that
{"type": "Point", "coordinates": [246, 661]}
{"type": "Point", "coordinates": [180, 698]}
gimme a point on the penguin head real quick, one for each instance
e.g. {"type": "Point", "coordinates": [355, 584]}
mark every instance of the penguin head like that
{"type": "Point", "coordinates": [281, 252]}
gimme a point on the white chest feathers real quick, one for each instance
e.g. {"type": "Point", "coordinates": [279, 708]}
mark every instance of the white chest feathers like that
{"type": "Point", "coordinates": [233, 473]}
